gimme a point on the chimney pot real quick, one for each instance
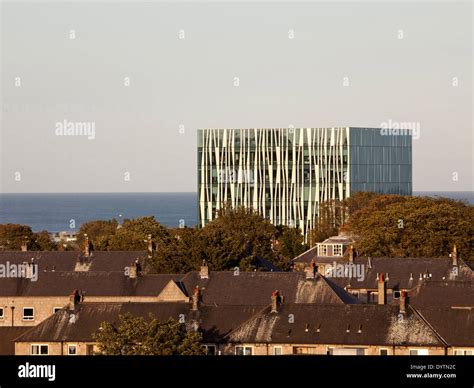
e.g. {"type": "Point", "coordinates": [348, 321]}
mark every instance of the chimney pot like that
{"type": "Point", "coordinates": [454, 256]}
{"type": "Point", "coordinates": [151, 246]}
{"type": "Point", "coordinates": [351, 253]}
{"type": "Point", "coordinates": [87, 246]}
{"type": "Point", "coordinates": [204, 271]}
{"type": "Point", "coordinates": [24, 245]}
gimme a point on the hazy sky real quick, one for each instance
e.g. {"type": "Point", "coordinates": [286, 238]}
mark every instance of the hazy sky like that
{"type": "Point", "coordinates": [404, 62]}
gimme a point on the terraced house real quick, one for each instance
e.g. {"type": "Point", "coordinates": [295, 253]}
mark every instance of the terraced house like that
{"type": "Point", "coordinates": [242, 313]}
{"type": "Point", "coordinates": [278, 328]}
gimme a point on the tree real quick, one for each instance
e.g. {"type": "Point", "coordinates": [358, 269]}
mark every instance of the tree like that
{"type": "Point", "coordinates": [132, 235]}
{"type": "Point", "coordinates": [392, 225]}
{"type": "Point", "coordinates": [238, 238]}
{"type": "Point", "coordinates": [140, 336]}
{"type": "Point", "coordinates": [182, 253]}
{"type": "Point", "coordinates": [290, 242]}
{"type": "Point", "coordinates": [41, 241]}
{"type": "Point", "coordinates": [13, 236]}
{"type": "Point", "coordinates": [100, 232]}
{"type": "Point", "coordinates": [332, 215]}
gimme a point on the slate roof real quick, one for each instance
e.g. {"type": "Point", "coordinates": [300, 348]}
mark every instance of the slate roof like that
{"type": "Point", "coordinates": [79, 325]}
{"type": "Point", "coordinates": [92, 283]}
{"type": "Point", "coordinates": [443, 294]}
{"type": "Point", "coordinates": [356, 325]}
{"type": "Point", "coordinates": [403, 273]}
{"type": "Point", "coordinates": [66, 261]}
{"type": "Point", "coordinates": [336, 324]}
{"type": "Point", "coordinates": [255, 288]}
{"type": "Point", "coordinates": [7, 336]}
{"type": "Point", "coordinates": [455, 325]}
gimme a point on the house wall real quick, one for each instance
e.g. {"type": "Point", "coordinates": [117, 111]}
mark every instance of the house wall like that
{"type": "Point", "coordinates": [88, 348]}
{"type": "Point", "coordinates": [322, 349]}
{"type": "Point", "coordinates": [43, 306]}
{"type": "Point", "coordinates": [57, 348]}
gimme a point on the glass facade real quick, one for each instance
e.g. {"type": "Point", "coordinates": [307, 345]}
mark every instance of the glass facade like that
{"type": "Point", "coordinates": [380, 163]}
{"type": "Point", "coordinates": [284, 173]}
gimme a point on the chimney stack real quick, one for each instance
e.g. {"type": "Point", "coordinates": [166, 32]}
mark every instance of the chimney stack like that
{"type": "Point", "coordinates": [151, 247]}
{"type": "Point", "coordinates": [276, 301]}
{"type": "Point", "coordinates": [311, 270]}
{"type": "Point", "coordinates": [138, 267]}
{"type": "Point", "coordinates": [204, 272]}
{"type": "Point", "coordinates": [351, 253]}
{"type": "Point", "coordinates": [196, 298]}
{"type": "Point", "coordinates": [24, 244]}
{"type": "Point", "coordinates": [403, 302]}
{"type": "Point", "coordinates": [132, 271]}
{"type": "Point", "coordinates": [74, 299]}
{"type": "Point", "coordinates": [454, 256]}
{"type": "Point", "coordinates": [382, 294]}
{"type": "Point", "coordinates": [87, 246]}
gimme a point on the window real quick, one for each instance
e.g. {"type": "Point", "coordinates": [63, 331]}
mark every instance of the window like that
{"type": "Point", "coordinates": [72, 350]}
{"type": "Point", "coordinates": [210, 350]}
{"type": "Point", "coordinates": [355, 294]}
{"type": "Point", "coordinates": [348, 352]}
{"type": "Point", "coordinates": [462, 352]}
{"type": "Point", "coordinates": [396, 294]}
{"type": "Point", "coordinates": [39, 350]}
{"type": "Point", "coordinates": [243, 350]}
{"type": "Point", "coordinates": [322, 250]}
{"type": "Point", "coordinates": [305, 350]}
{"type": "Point", "coordinates": [373, 297]}
{"type": "Point", "coordinates": [383, 352]}
{"type": "Point", "coordinates": [337, 250]}
{"type": "Point", "coordinates": [277, 351]}
{"type": "Point", "coordinates": [418, 352]}
{"type": "Point", "coordinates": [2, 313]}
{"type": "Point", "coordinates": [28, 313]}
{"type": "Point", "coordinates": [56, 309]}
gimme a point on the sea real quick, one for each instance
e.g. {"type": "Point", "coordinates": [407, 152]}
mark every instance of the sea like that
{"type": "Point", "coordinates": [67, 211]}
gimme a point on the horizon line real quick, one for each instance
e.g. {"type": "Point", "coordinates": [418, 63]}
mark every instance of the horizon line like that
{"type": "Point", "coordinates": [191, 192]}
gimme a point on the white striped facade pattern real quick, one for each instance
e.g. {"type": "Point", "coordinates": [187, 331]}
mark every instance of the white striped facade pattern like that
{"type": "Point", "coordinates": [282, 173]}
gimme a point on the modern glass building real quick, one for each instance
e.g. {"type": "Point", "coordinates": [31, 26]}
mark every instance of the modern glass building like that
{"type": "Point", "coordinates": [284, 173]}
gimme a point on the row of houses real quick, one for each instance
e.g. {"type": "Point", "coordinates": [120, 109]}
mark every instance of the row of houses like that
{"type": "Point", "coordinates": [390, 310]}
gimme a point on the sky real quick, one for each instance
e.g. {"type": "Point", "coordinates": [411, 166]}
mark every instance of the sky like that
{"type": "Point", "coordinates": [143, 76]}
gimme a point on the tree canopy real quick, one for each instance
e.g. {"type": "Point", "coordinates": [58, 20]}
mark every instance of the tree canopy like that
{"type": "Point", "coordinates": [13, 236]}
{"type": "Point", "coordinates": [403, 226]}
{"type": "Point", "coordinates": [133, 336]}
{"type": "Point", "coordinates": [236, 238]}
{"type": "Point", "coordinates": [130, 236]}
